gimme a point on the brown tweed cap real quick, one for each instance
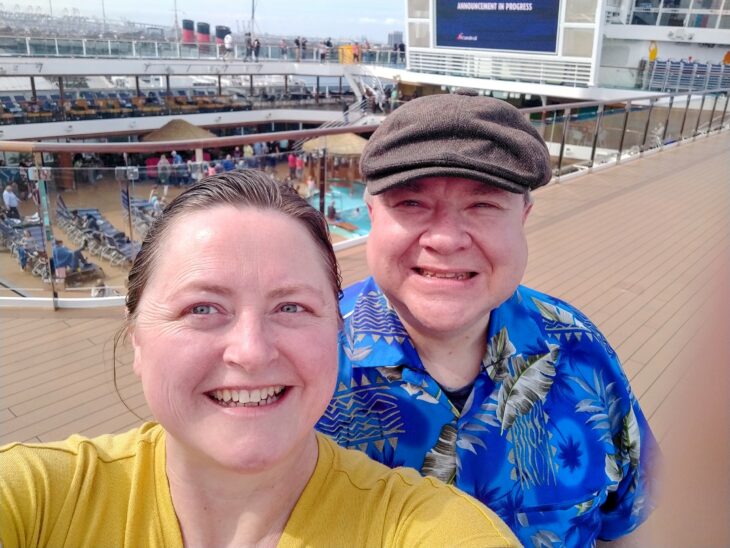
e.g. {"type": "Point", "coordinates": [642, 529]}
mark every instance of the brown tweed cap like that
{"type": "Point", "coordinates": [456, 135]}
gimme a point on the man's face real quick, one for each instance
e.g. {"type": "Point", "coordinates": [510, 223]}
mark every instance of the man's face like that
{"type": "Point", "coordinates": [446, 251]}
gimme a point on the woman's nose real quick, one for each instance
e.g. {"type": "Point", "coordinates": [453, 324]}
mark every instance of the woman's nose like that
{"type": "Point", "coordinates": [248, 344]}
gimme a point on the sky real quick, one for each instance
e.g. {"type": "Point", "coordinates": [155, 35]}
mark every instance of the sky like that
{"type": "Point", "coordinates": [344, 19]}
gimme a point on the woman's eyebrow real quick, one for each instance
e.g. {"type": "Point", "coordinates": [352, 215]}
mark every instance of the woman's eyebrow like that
{"type": "Point", "coordinates": [295, 288]}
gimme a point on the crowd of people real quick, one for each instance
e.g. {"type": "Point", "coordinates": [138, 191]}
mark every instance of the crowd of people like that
{"type": "Point", "coordinates": [437, 402]}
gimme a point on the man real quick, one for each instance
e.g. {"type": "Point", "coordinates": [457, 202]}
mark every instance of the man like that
{"type": "Point", "coordinates": [63, 257]}
{"type": "Point", "coordinates": [11, 201]}
{"type": "Point", "coordinates": [449, 366]}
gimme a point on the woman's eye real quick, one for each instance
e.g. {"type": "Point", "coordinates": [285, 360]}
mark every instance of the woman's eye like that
{"type": "Point", "coordinates": [291, 308]}
{"type": "Point", "coordinates": [201, 309]}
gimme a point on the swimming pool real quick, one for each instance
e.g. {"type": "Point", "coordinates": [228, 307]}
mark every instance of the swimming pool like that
{"type": "Point", "coordinates": [350, 207]}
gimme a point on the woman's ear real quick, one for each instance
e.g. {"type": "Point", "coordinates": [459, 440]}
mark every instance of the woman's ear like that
{"type": "Point", "coordinates": [137, 358]}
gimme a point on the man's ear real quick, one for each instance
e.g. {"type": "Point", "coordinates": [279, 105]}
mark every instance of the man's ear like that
{"type": "Point", "coordinates": [526, 212]}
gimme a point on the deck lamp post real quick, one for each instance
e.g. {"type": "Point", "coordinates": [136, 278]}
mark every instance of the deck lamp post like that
{"type": "Point", "coordinates": [322, 156]}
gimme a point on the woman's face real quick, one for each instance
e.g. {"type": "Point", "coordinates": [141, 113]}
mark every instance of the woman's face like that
{"type": "Point", "coordinates": [236, 337]}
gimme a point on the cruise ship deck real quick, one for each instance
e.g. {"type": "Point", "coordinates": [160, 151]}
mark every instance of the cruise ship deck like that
{"type": "Point", "coordinates": [637, 247]}
{"type": "Point", "coordinates": [642, 248]}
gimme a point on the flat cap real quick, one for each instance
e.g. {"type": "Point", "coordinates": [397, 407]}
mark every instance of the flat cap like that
{"type": "Point", "coordinates": [456, 135]}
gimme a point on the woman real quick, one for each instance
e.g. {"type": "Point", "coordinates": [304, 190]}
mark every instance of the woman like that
{"type": "Point", "coordinates": [232, 314]}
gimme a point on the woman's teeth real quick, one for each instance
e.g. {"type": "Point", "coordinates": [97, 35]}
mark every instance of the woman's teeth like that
{"type": "Point", "coordinates": [247, 398]}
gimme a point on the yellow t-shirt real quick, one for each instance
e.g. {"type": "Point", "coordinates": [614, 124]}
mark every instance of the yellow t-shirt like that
{"type": "Point", "coordinates": [112, 491]}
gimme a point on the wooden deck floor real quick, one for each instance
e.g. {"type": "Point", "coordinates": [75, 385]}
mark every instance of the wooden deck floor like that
{"type": "Point", "coordinates": [641, 248]}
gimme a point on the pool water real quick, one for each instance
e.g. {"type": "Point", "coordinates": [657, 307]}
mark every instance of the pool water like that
{"type": "Point", "coordinates": [350, 208]}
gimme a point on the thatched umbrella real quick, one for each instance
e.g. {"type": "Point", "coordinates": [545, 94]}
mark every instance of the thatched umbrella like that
{"type": "Point", "coordinates": [343, 144]}
{"type": "Point", "coordinates": [180, 130]}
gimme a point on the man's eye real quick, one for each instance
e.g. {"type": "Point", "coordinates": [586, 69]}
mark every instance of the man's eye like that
{"type": "Point", "coordinates": [486, 205]}
{"type": "Point", "coordinates": [203, 309]}
{"type": "Point", "coordinates": [291, 308]}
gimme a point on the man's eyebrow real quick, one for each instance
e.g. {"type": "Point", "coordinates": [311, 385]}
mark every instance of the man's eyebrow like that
{"type": "Point", "coordinates": [412, 186]}
{"type": "Point", "coordinates": [485, 190]}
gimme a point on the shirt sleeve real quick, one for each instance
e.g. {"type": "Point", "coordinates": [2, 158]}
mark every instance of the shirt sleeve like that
{"type": "Point", "coordinates": [635, 459]}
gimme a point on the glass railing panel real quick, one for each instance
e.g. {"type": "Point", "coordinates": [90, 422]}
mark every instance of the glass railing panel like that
{"type": "Point", "coordinates": [703, 125]}
{"type": "Point", "coordinates": [26, 235]}
{"type": "Point", "coordinates": [12, 45]}
{"type": "Point", "coordinates": [167, 49]}
{"type": "Point", "coordinates": [189, 51]}
{"type": "Point", "coordinates": [89, 218]}
{"type": "Point", "coordinates": [674, 122]}
{"type": "Point", "coordinates": [97, 48]}
{"type": "Point", "coordinates": [655, 130]}
{"type": "Point", "coordinates": [70, 47]}
{"type": "Point", "coordinates": [121, 49]}
{"type": "Point", "coordinates": [42, 46]}
{"type": "Point", "coordinates": [693, 113]}
{"type": "Point", "coordinates": [145, 49]}
{"type": "Point", "coordinates": [721, 113]}
{"type": "Point", "coordinates": [579, 137]}
{"type": "Point", "coordinates": [636, 125]}
{"type": "Point", "coordinates": [550, 126]}
{"type": "Point", "coordinates": [609, 134]}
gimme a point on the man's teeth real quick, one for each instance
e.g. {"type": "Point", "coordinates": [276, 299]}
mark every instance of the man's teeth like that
{"type": "Point", "coordinates": [445, 275]}
{"type": "Point", "coordinates": [247, 398]}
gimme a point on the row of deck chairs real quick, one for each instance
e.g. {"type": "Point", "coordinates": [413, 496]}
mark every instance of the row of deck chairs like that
{"type": "Point", "coordinates": [111, 104]}
{"type": "Point", "coordinates": [672, 76]}
{"type": "Point", "coordinates": [142, 212]}
{"type": "Point", "coordinates": [105, 242]}
{"type": "Point", "coordinates": [30, 254]}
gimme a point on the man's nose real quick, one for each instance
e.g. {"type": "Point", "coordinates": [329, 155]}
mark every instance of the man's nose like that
{"type": "Point", "coordinates": [446, 232]}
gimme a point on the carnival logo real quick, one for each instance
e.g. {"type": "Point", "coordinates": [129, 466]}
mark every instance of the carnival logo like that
{"type": "Point", "coordinates": [467, 37]}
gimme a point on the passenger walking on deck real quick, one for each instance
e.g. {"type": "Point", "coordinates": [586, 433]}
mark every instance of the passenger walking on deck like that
{"type": "Point", "coordinates": [228, 46]}
{"type": "Point", "coordinates": [11, 201]}
{"type": "Point", "coordinates": [450, 366]}
{"type": "Point", "coordinates": [393, 98]}
{"type": "Point", "coordinates": [256, 49]}
{"type": "Point", "coordinates": [163, 173]}
{"type": "Point", "coordinates": [283, 49]}
{"type": "Point", "coordinates": [304, 48]}
{"type": "Point", "coordinates": [292, 162]}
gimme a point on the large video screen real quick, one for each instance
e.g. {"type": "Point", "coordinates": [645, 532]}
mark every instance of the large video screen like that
{"type": "Point", "coordinates": [530, 26]}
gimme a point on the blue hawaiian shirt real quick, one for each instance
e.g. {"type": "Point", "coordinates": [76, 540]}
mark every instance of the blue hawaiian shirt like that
{"type": "Point", "coordinates": [551, 437]}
